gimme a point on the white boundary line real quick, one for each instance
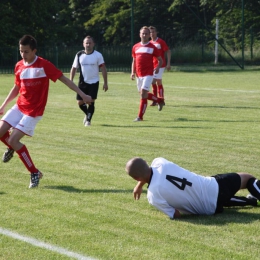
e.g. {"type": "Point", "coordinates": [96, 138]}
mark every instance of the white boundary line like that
{"type": "Point", "coordinates": [41, 244]}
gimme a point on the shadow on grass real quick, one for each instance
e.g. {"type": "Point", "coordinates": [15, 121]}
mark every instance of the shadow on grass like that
{"type": "Point", "coordinates": [214, 107]}
{"type": "Point", "coordinates": [219, 121]}
{"type": "Point", "coordinates": [228, 216]}
{"type": "Point", "coordinates": [76, 190]}
{"type": "Point", "coordinates": [2, 193]}
{"type": "Point", "coordinates": [156, 126]}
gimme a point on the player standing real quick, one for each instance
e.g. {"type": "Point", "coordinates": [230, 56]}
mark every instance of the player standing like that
{"type": "Point", "coordinates": [89, 61]}
{"type": "Point", "coordinates": [164, 50]}
{"type": "Point", "coordinates": [142, 67]}
{"type": "Point", "coordinates": [32, 75]}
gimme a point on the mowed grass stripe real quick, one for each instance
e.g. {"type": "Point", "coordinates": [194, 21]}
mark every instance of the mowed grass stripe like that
{"type": "Point", "coordinates": [84, 202]}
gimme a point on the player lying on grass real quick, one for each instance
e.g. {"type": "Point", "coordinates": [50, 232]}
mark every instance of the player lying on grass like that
{"type": "Point", "coordinates": [175, 191]}
{"type": "Point", "coordinates": [32, 75]}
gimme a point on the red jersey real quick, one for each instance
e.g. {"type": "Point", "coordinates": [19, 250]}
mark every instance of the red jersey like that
{"type": "Point", "coordinates": [143, 55]}
{"type": "Point", "coordinates": [162, 47]}
{"type": "Point", "coordinates": [33, 81]}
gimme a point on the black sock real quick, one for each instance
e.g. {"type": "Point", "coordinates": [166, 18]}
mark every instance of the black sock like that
{"type": "Point", "coordinates": [240, 201]}
{"type": "Point", "coordinates": [91, 110]}
{"type": "Point", "coordinates": [84, 108]}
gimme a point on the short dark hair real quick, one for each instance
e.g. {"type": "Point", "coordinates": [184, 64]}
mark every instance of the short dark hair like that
{"type": "Point", "coordinates": [152, 28]}
{"type": "Point", "coordinates": [28, 40]}
{"type": "Point", "coordinates": [89, 37]}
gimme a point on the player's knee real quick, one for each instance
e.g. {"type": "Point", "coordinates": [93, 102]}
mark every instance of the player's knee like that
{"type": "Point", "coordinates": [253, 186]}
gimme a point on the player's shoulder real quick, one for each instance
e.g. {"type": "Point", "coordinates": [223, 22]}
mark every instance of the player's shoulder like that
{"type": "Point", "coordinates": [79, 53]}
{"type": "Point", "coordinates": [40, 61]}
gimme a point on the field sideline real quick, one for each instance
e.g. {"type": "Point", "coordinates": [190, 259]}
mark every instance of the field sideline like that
{"type": "Point", "coordinates": [84, 205]}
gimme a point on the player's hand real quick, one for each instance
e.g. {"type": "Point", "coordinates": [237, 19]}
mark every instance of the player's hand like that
{"type": "Point", "coordinates": [105, 87]}
{"type": "Point", "coordinates": [168, 67]}
{"type": "Point", "coordinates": [87, 99]}
{"type": "Point", "coordinates": [137, 192]}
{"type": "Point", "coordinates": [156, 70]}
{"type": "Point", "coordinates": [132, 76]}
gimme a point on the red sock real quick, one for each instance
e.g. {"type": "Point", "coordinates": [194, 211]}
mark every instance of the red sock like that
{"type": "Point", "coordinates": [26, 159]}
{"type": "Point", "coordinates": [154, 98]}
{"type": "Point", "coordinates": [161, 91]}
{"type": "Point", "coordinates": [4, 139]}
{"type": "Point", "coordinates": [142, 107]}
{"type": "Point", "coordinates": [154, 89]}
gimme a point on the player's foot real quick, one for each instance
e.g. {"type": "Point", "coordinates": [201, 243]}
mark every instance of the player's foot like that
{"type": "Point", "coordinates": [154, 104]}
{"type": "Point", "coordinates": [35, 179]}
{"type": "Point", "coordinates": [87, 123]}
{"type": "Point", "coordinates": [138, 119]}
{"type": "Point", "coordinates": [8, 155]}
{"type": "Point", "coordinates": [160, 105]}
{"type": "Point", "coordinates": [84, 120]}
{"type": "Point", "coordinates": [251, 197]}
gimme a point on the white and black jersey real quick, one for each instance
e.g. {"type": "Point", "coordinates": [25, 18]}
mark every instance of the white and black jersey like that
{"type": "Point", "coordinates": [172, 187]}
{"type": "Point", "coordinates": [90, 64]}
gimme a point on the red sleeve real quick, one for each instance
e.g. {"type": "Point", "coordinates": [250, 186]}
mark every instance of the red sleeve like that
{"type": "Point", "coordinates": [52, 72]}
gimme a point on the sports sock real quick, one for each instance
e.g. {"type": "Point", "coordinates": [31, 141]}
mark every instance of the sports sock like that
{"type": "Point", "coordinates": [142, 107]}
{"type": "Point", "coordinates": [154, 89]}
{"type": "Point", "coordinates": [4, 139]}
{"type": "Point", "coordinates": [84, 108]}
{"type": "Point", "coordinates": [154, 98]}
{"type": "Point", "coordinates": [253, 186]}
{"type": "Point", "coordinates": [240, 201]}
{"type": "Point", "coordinates": [26, 159]}
{"type": "Point", "coordinates": [91, 110]}
{"type": "Point", "coordinates": [161, 91]}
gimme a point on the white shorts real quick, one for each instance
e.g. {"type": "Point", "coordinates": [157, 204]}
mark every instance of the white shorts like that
{"type": "Point", "coordinates": [144, 82]}
{"type": "Point", "coordinates": [18, 120]}
{"type": "Point", "coordinates": [159, 74]}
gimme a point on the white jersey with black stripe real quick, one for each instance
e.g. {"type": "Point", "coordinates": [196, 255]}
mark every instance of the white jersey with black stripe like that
{"type": "Point", "coordinates": [173, 187]}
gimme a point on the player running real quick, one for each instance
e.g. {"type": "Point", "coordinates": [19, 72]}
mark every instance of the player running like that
{"type": "Point", "coordinates": [32, 75]}
{"type": "Point", "coordinates": [142, 67]}
{"type": "Point", "coordinates": [163, 48]}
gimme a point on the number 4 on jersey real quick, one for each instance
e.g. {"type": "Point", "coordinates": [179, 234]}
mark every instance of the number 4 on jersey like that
{"type": "Point", "coordinates": [178, 182]}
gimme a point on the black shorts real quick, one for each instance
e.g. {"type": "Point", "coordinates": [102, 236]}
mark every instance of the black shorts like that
{"type": "Point", "coordinates": [88, 89]}
{"type": "Point", "coordinates": [229, 184]}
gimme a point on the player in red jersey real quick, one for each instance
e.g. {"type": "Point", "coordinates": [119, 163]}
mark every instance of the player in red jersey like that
{"type": "Point", "coordinates": [32, 75]}
{"type": "Point", "coordinates": [164, 50]}
{"type": "Point", "coordinates": [142, 67]}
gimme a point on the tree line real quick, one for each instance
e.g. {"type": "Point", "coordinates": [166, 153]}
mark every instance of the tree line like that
{"type": "Point", "coordinates": [110, 22]}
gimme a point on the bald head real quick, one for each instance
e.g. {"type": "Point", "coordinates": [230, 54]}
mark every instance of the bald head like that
{"type": "Point", "coordinates": [138, 168]}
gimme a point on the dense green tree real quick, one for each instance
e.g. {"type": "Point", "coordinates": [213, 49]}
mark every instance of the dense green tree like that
{"type": "Point", "coordinates": [67, 22]}
{"type": "Point", "coordinates": [38, 18]}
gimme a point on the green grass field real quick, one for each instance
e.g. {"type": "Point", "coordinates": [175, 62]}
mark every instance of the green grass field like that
{"type": "Point", "coordinates": [84, 203]}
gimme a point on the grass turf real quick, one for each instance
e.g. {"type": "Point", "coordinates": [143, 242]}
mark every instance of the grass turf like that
{"type": "Point", "coordinates": [84, 203]}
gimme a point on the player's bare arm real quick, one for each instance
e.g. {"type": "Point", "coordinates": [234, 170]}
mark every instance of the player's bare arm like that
{"type": "Point", "coordinates": [104, 74]}
{"type": "Point", "coordinates": [138, 189]}
{"type": "Point", "coordinates": [72, 86]}
{"type": "Point", "coordinates": [12, 94]}
{"type": "Point", "coordinates": [160, 62]}
{"type": "Point", "coordinates": [133, 70]}
{"type": "Point", "coordinates": [72, 73]}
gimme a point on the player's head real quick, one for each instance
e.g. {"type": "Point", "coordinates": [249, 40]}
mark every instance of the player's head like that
{"type": "Point", "coordinates": [28, 40]}
{"type": "Point", "coordinates": [137, 168]}
{"type": "Point", "coordinates": [153, 32]}
{"type": "Point", "coordinates": [144, 34]}
{"type": "Point", "coordinates": [89, 43]}
{"type": "Point", "coordinates": [27, 47]}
